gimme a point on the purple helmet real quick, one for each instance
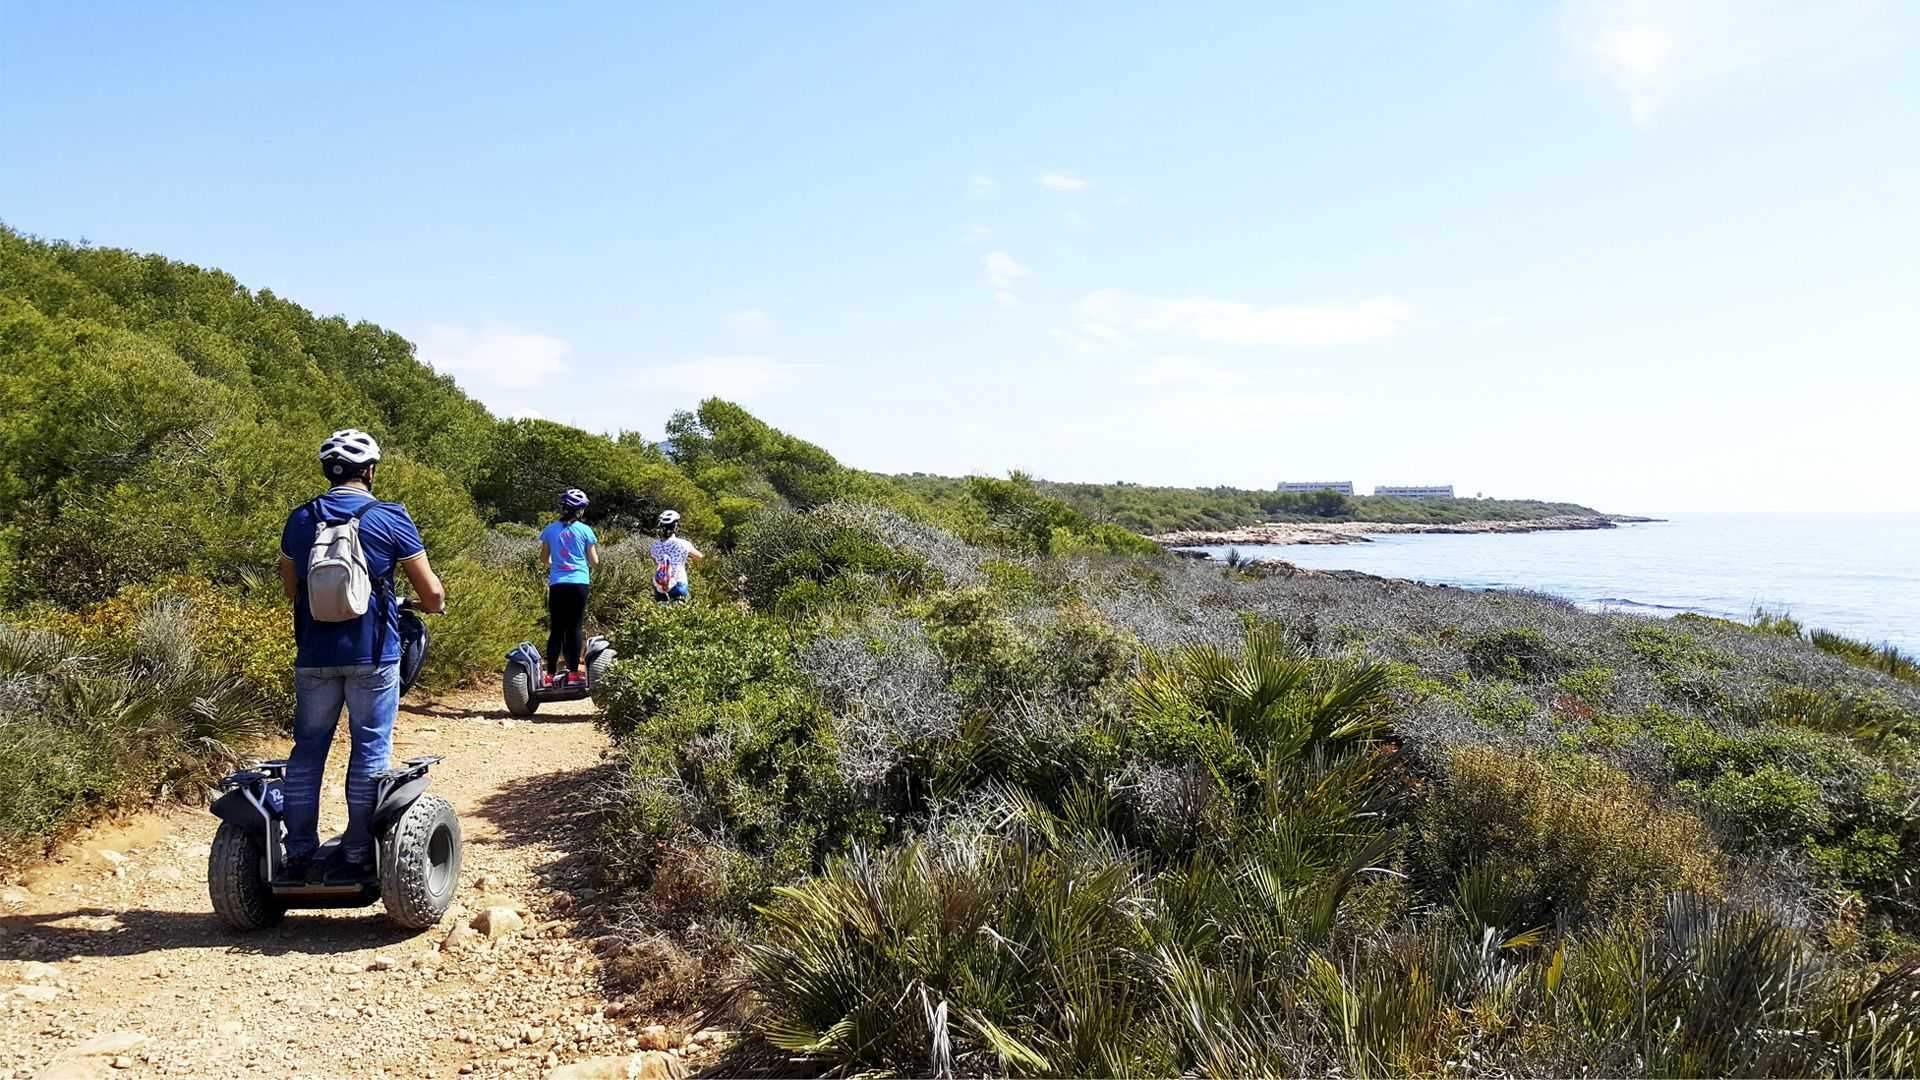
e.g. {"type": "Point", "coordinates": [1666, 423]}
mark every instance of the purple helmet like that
{"type": "Point", "coordinates": [573, 499]}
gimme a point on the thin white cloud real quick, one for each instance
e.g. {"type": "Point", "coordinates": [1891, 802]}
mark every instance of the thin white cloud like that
{"type": "Point", "coordinates": [752, 318]}
{"type": "Point", "coordinates": [979, 234]}
{"type": "Point", "coordinates": [984, 184]}
{"type": "Point", "coordinates": [528, 414]}
{"type": "Point", "coordinates": [737, 378]}
{"type": "Point", "coordinates": [1660, 53]}
{"type": "Point", "coordinates": [493, 356]}
{"type": "Point", "coordinates": [1060, 181]}
{"type": "Point", "coordinates": [1113, 314]}
{"type": "Point", "coordinates": [1003, 275]}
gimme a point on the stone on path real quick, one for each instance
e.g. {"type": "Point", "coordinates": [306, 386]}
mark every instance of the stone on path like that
{"type": "Point", "coordinates": [34, 971]}
{"type": "Point", "coordinates": [497, 922]}
{"type": "Point", "coordinates": [39, 995]}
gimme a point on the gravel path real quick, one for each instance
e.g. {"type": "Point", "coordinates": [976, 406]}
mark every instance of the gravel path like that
{"type": "Point", "coordinates": [112, 963]}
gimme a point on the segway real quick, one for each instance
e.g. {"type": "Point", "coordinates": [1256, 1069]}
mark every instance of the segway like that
{"type": "Point", "coordinates": [416, 838]}
{"type": "Point", "coordinates": [522, 682]}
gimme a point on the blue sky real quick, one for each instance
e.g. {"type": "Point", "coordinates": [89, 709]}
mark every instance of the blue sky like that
{"type": "Point", "coordinates": [1659, 256]}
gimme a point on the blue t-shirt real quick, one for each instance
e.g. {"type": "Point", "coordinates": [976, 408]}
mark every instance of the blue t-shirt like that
{"type": "Point", "coordinates": [388, 537]}
{"type": "Point", "coordinates": [567, 542]}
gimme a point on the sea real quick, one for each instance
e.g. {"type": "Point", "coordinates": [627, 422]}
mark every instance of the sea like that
{"type": "Point", "coordinates": [1855, 574]}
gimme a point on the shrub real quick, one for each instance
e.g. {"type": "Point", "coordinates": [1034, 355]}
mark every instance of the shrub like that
{"type": "Point", "coordinates": [247, 636]}
{"type": "Point", "coordinates": [1883, 658]}
{"type": "Point", "coordinates": [488, 612]}
{"type": "Point", "coordinates": [1574, 839]}
{"type": "Point", "coordinates": [688, 653]}
{"type": "Point", "coordinates": [1521, 654]}
{"type": "Point", "coordinates": [787, 559]}
{"type": "Point", "coordinates": [80, 734]}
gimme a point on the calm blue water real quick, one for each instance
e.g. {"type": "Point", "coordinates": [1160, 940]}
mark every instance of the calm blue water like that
{"type": "Point", "coordinates": [1858, 574]}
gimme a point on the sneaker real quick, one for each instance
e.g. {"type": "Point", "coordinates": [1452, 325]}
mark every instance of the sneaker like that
{"type": "Point", "coordinates": [578, 678]}
{"type": "Point", "coordinates": [295, 867]}
{"type": "Point", "coordinates": [342, 870]}
{"type": "Point", "coordinates": [546, 680]}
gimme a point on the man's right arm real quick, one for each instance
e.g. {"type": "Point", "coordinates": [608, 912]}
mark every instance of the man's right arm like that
{"type": "Point", "coordinates": [426, 584]}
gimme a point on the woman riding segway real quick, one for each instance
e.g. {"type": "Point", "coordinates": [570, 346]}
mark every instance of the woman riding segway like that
{"type": "Point", "coordinates": [569, 550]}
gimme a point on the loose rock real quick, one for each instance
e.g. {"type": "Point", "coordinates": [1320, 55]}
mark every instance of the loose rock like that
{"type": "Point", "coordinates": [497, 922]}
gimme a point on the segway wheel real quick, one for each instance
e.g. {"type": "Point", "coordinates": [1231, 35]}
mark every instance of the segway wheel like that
{"type": "Point", "coordinates": [420, 863]}
{"type": "Point", "coordinates": [237, 880]}
{"type": "Point", "coordinates": [598, 666]}
{"type": "Point", "coordinates": [516, 684]}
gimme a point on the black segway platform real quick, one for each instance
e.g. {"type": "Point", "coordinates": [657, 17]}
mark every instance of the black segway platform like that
{"type": "Point", "coordinates": [417, 848]}
{"type": "Point", "coordinates": [520, 682]}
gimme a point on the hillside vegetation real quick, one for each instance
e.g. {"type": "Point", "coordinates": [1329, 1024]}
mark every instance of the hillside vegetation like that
{"type": "Point", "coordinates": [943, 777]}
{"type": "Point", "coordinates": [1155, 510]}
{"type": "Point", "coordinates": [158, 421]}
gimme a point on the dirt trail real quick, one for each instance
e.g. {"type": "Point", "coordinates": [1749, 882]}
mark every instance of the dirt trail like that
{"type": "Point", "coordinates": [112, 963]}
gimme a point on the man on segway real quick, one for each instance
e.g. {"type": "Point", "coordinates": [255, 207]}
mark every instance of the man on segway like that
{"type": "Point", "coordinates": [670, 554]}
{"type": "Point", "coordinates": [338, 554]}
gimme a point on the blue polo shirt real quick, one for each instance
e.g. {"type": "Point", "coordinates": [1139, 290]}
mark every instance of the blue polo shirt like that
{"type": "Point", "coordinates": [388, 537]}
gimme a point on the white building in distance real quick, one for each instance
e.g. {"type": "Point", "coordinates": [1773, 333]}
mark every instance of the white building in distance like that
{"type": "Point", "coordinates": [1344, 487]}
{"type": "Point", "coordinates": [1430, 491]}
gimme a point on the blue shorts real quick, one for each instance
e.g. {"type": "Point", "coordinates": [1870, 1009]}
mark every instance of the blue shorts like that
{"type": "Point", "coordinates": [676, 595]}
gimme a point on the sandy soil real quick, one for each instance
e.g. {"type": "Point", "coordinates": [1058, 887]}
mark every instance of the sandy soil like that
{"type": "Point", "coordinates": [112, 963]}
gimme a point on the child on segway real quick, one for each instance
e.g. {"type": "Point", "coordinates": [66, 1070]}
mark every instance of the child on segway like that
{"type": "Point", "coordinates": [670, 554]}
{"type": "Point", "coordinates": [569, 550]}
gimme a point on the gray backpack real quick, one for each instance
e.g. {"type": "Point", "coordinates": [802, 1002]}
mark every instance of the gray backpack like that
{"type": "Point", "coordinates": [339, 586]}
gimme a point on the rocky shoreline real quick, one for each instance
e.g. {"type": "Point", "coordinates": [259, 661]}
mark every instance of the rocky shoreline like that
{"type": "Point", "coordinates": [1359, 532]}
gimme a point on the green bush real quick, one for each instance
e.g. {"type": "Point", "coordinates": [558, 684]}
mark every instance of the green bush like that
{"type": "Point", "coordinates": [1519, 653]}
{"type": "Point", "coordinates": [488, 612]}
{"type": "Point", "coordinates": [790, 560]}
{"type": "Point", "coordinates": [690, 652]}
{"type": "Point", "coordinates": [81, 734]}
{"type": "Point", "coordinates": [1573, 839]}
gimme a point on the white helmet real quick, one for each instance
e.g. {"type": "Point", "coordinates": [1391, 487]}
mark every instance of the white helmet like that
{"type": "Point", "coordinates": [669, 517]}
{"type": "Point", "coordinates": [348, 450]}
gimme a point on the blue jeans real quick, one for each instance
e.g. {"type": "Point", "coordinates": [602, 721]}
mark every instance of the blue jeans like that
{"type": "Point", "coordinates": [678, 594]}
{"type": "Point", "coordinates": [372, 697]}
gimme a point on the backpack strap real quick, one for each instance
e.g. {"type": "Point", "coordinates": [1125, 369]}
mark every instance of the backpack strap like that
{"type": "Point", "coordinates": [382, 587]}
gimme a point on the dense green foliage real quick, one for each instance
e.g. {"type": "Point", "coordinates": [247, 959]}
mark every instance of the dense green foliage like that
{"type": "Point", "coordinates": [158, 421]}
{"type": "Point", "coordinates": [117, 714]}
{"type": "Point", "coordinates": [937, 808]}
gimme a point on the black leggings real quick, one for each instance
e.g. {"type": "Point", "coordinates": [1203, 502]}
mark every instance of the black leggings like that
{"type": "Point", "coordinates": [566, 608]}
